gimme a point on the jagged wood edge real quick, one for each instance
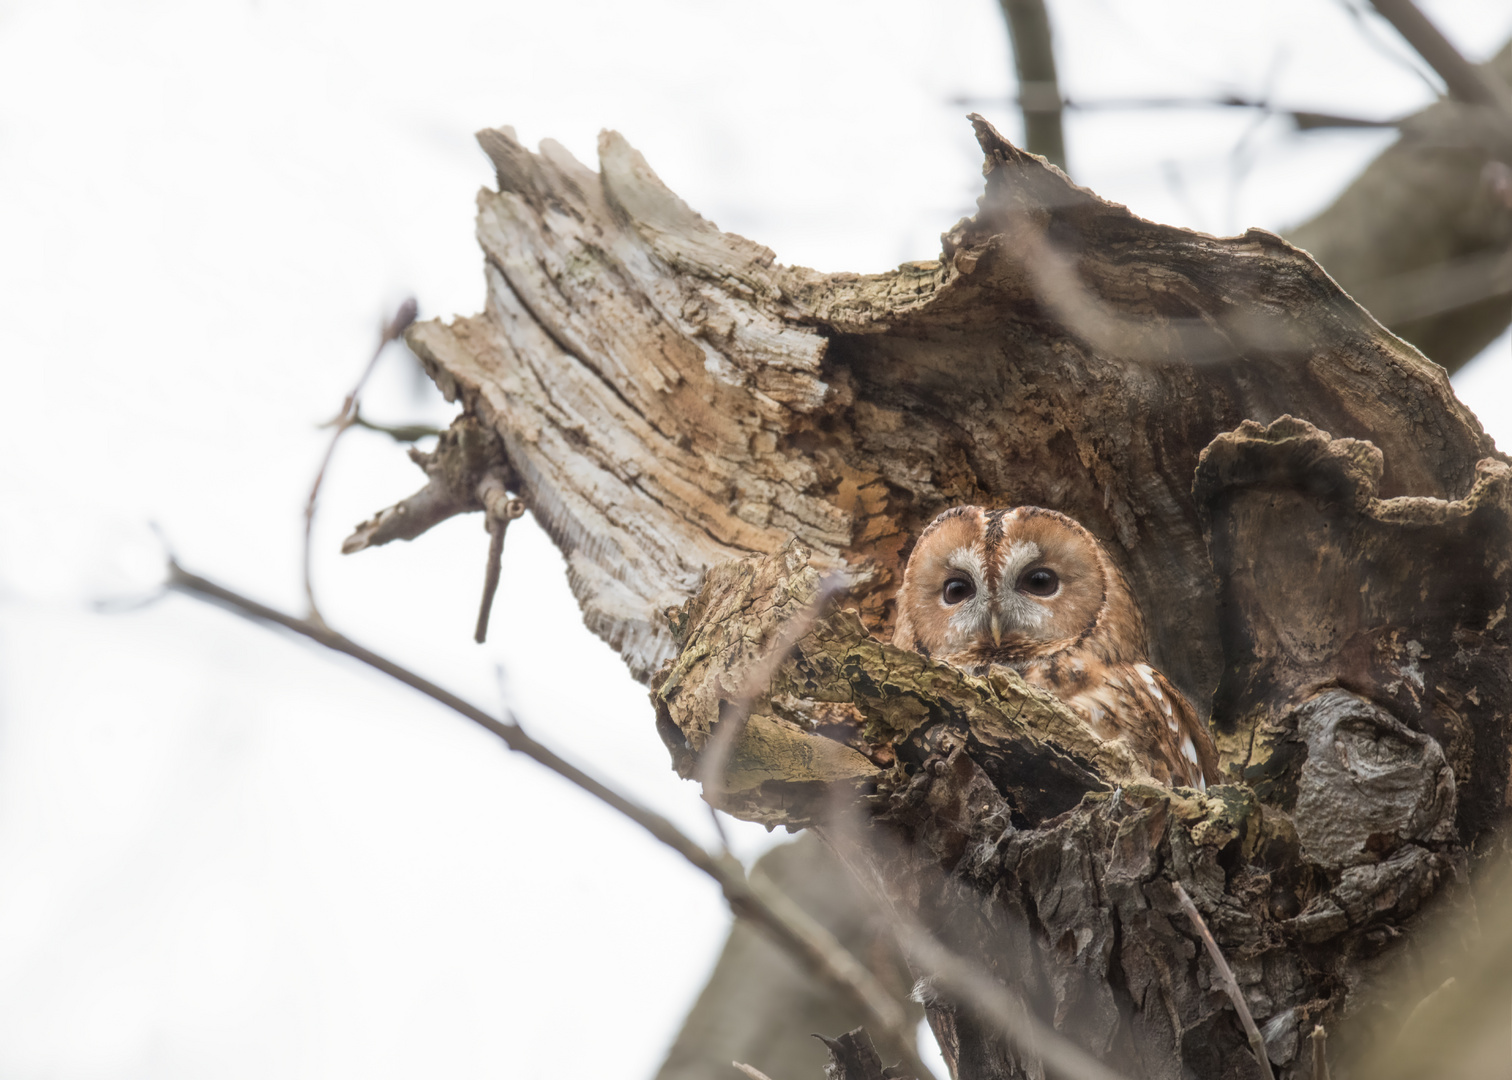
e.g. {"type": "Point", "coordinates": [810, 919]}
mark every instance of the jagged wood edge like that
{"type": "Point", "coordinates": [765, 330]}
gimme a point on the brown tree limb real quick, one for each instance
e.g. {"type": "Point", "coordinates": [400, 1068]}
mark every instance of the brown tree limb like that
{"type": "Point", "coordinates": [852, 1057]}
{"type": "Point", "coordinates": [1419, 237]}
{"type": "Point", "coordinates": [1039, 92]}
{"type": "Point", "coordinates": [1464, 80]}
{"type": "Point", "coordinates": [464, 455]}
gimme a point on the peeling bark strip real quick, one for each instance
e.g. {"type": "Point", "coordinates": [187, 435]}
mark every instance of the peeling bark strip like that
{"type": "Point", "coordinates": [704, 432]}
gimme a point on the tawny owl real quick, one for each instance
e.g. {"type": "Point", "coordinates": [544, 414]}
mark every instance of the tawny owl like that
{"type": "Point", "coordinates": [1035, 591]}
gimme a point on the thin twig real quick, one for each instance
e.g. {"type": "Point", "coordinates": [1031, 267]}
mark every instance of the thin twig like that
{"type": "Point", "coordinates": [403, 433]}
{"type": "Point", "coordinates": [1320, 1053]}
{"type": "Point", "coordinates": [715, 759]}
{"type": "Point", "coordinates": [965, 982]}
{"type": "Point", "coordinates": [1002, 1007]}
{"type": "Point", "coordinates": [812, 945]}
{"type": "Point", "coordinates": [1410, 62]}
{"type": "Point", "coordinates": [347, 417]}
{"type": "Point", "coordinates": [1465, 81]}
{"type": "Point", "coordinates": [751, 1071]}
{"type": "Point", "coordinates": [1226, 976]}
{"type": "Point", "coordinates": [496, 530]}
{"type": "Point", "coordinates": [1305, 119]}
{"type": "Point", "coordinates": [500, 509]}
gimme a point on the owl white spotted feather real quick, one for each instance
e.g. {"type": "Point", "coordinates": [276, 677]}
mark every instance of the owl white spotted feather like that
{"type": "Point", "coordinates": [1033, 590]}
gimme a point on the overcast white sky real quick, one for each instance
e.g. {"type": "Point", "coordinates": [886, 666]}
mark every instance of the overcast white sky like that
{"type": "Point", "coordinates": [224, 854]}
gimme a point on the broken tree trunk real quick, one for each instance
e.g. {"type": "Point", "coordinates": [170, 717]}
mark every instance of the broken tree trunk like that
{"type": "Point", "coordinates": [1420, 237]}
{"type": "Point", "coordinates": [1316, 528]}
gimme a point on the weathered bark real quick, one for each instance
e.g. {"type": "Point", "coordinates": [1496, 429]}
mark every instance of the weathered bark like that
{"type": "Point", "coordinates": [853, 1057]}
{"type": "Point", "coordinates": [705, 432]}
{"type": "Point", "coordinates": [1421, 237]}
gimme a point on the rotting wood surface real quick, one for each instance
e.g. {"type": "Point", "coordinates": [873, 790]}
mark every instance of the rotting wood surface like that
{"type": "Point", "coordinates": [705, 432]}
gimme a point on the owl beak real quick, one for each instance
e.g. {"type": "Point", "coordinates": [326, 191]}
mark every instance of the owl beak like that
{"type": "Point", "coordinates": [997, 628]}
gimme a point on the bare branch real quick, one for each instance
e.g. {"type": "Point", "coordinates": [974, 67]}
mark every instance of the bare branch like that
{"type": "Point", "coordinates": [1465, 81]}
{"type": "Point", "coordinates": [750, 1070]}
{"type": "Point", "coordinates": [392, 331]}
{"type": "Point", "coordinates": [1039, 89]}
{"type": "Point", "coordinates": [790, 926]}
{"type": "Point", "coordinates": [404, 433]}
{"type": "Point", "coordinates": [1002, 1007]}
{"type": "Point", "coordinates": [715, 759]}
{"type": "Point", "coordinates": [501, 509]}
{"type": "Point", "coordinates": [1230, 984]}
{"type": "Point", "coordinates": [1425, 221]}
{"type": "Point", "coordinates": [1435, 290]}
{"type": "Point", "coordinates": [852, 1057]}
{"type": "Point", "coordinates": [1305, 119]}
{"type": "Point", "coordinates": [465, 455]}
{"type": "Point", "coordinates": [1320, 1053]}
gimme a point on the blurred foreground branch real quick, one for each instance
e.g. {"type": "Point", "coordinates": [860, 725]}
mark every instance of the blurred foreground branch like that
{"type": "Point", "coordinates": [350, 416]}
{"type": "Point", "coordinates": [1420, 237]}
{"type": "Point", "coordinates": [1465, 81]}
{"type": "Point", "coordinates": [787, 924]}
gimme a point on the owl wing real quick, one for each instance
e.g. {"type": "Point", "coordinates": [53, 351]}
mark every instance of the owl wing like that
{"type": "Point", "coordinates": [1136, 705]}
{"type": "Point", "coordinates": [1181, 740]}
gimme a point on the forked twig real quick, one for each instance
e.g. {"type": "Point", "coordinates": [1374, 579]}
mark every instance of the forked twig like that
{"type": "Point", "coordinates": [1465, 81]}
{"type": "Point", "coordinates": [794, 930]}
{"type": "Point", "coordinates": [348, 417]}
{"type": "Point", "coordinates": [1226, 976]}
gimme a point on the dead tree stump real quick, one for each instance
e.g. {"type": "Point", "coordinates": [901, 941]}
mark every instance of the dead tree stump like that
{"type": "Point", "coordinates": [1318, 532]}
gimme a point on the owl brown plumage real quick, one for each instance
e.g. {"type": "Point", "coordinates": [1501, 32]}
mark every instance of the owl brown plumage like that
{"type": "Point", "coordinates": [1033, 590]}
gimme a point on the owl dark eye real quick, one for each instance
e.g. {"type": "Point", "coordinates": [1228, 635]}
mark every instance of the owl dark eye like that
{"type": "Point", "coordinates": [958, 589]}
{"type": "Point", "coordinates": [1040, 581]}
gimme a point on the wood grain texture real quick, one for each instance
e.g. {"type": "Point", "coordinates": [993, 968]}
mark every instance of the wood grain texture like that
{"type": "Point", "coordinates": [671, 398]}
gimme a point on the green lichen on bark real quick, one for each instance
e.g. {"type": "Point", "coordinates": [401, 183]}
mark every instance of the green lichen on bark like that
{"type": "Point", "coordinates": [821, 702]}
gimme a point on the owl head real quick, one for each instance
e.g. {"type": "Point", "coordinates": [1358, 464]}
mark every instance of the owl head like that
{"type": "Point", "coordinates": [998, 586]}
